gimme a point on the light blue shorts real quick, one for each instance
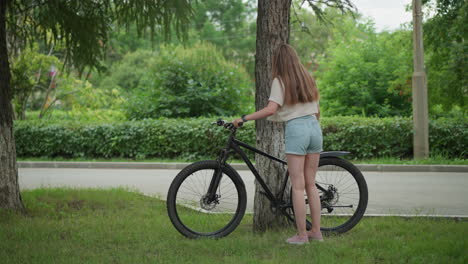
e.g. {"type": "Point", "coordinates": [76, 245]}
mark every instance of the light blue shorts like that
{"type": "Point", "coordinates": [303, 135]}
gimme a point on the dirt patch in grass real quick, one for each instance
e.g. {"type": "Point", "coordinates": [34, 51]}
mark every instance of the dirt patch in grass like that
{"type": "Point", "coordinates": [76, 204]}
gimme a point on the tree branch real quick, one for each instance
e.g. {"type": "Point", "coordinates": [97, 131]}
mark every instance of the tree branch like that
{"type": "Point", "coordinates": [345, 6]}
{"type": "Point", "coordinates": [26, 9]}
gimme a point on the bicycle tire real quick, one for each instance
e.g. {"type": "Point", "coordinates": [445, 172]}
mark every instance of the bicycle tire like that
{"type": "Point", "coordinates": [356, 216]}
{"type": "Point", "coordinates": [187, 224]}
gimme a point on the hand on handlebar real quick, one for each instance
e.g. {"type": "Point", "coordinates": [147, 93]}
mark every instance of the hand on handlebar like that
{"type": "Point", "coordinates": [228, 125]}
{"type": "Point", "coordinates": [238, 122]}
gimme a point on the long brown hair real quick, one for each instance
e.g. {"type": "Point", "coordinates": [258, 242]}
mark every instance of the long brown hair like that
{"type": "Point", "coordinates": [299, 85]}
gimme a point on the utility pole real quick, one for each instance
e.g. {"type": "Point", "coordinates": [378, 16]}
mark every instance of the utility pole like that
{"type": "Point", "coordinates": [420, 109]}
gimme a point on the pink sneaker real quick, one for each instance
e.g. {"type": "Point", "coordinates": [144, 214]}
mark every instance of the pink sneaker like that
{"type": "Point", "coordinates": [298, 240]}
{"type": "Point", "coordinates": [315, 236]}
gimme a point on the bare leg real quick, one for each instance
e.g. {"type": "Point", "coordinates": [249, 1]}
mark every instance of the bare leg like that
{"type": "Point", "coordinates": [296, 172]}
{"type": "Point", "coordinates": [310, 170]}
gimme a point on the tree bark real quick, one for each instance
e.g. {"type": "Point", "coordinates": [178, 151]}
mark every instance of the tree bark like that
{"type": "Point", "coordinates": [272, 30]}
{"type": "Point", "coordinates": [9, 189]}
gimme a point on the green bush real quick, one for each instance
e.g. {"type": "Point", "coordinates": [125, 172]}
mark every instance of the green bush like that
{"type": "Point", "coordinates": [127, 73]}
{"type": "Point", "coordinates": [188, 138]}
{"type": "Point", "coordinates": [190, 82]}
{"type": "Point", "coordinates": [79, 114]}
{"type": "Point", "coordinates": [198, 138]}
{"type": "Point", "coordinates": [368, 137]}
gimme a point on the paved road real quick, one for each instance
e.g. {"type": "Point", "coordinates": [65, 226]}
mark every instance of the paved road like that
{"type": "Point", "coordinates": [421, 193]}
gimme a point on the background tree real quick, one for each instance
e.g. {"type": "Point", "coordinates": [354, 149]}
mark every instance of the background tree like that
{"type": "Point", "coordinates": [445, 34]}
{"type": "Point", "coordinates": [310, 36]}
{"type": "Point", "coordinates": [365, 73]}
{"type": "Point", "coordinates": [230, 25]}
{"type": "Point", "coordinates": [83, 28]}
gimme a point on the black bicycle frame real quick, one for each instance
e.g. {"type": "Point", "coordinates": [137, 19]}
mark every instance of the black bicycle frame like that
{"type": "Point", "coordinates": [234, 144]}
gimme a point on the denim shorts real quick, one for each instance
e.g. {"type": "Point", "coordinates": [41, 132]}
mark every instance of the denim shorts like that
{"type": "Point", "coordinates": [303, 135]}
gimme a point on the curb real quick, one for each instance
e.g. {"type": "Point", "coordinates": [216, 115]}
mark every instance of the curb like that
{"type": "Point", "coordinates": [458, 218]}
{"type": "Point", "coordinates": [237, 166]}
{"type": "Point", "coordinates": [412, 168]}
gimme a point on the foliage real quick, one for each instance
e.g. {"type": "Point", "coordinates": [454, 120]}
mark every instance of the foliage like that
{"type": "Point", "coordinates": [227, 24]}
{"type": "Point", "coordinates": [231, 26]}
{"type": "Point", "coordinates": [33, 88]}
{"type": "Point", "coordinates": [321, 46]}
{"type": "Point", "coordinates": [383, 137]}
{"type": "Point", "coordinates": [127, 74]}
{"type": "Point", "coordinates": [367, 74]}
{"type": "Point", "coordinates": [313, 38]}
{"type": "Point", "coordinates": [309, 36]}
{"type": "Point", "coordinates": [147, 138]}
{"type": "Point", "coordinates": [197, 138]}
{"type": "Point", "coordinates": [437, 111]}
{"type": "Point", "coordinates": [83, 114]}
{"type": "Point", "coordinates": [319, 7]}
{"type": "Point", "coordinates": [445, 37]}
{"type": "Point", "coordinates": [83, 26]}
{"type": "Point", "coordinates": [30, 76]}
{"type": "Point", "coordinates": [126, 40]}
{"type": "Point", "coordinates": [82, 95]}
{"type": "Point", "coordinates": [188, 82]}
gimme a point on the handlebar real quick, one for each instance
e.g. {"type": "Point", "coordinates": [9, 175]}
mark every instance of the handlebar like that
{"type": "Point", "coordinates": [227, 125]}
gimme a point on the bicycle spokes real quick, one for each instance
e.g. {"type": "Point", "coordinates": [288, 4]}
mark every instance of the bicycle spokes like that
{"type": "Point", "coordinates": [204, 212]}
{"type": "Point", "coordinates": [339, 195]}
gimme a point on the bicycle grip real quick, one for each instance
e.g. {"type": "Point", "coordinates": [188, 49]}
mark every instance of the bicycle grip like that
{"type": "Point", "coordinates": [220, 122]}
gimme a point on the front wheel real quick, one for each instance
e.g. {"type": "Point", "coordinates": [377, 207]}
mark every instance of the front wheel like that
{"type": "Point", "coordinates": [193, 213]}
{"type": "Point", "coordinates": [343, 195]}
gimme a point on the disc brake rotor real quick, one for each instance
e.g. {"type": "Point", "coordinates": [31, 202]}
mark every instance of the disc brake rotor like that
{"type": "Point", "coordinates": [206, 205]}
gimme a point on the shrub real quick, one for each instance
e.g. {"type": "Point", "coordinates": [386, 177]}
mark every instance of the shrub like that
{"type": "Point", "coordinates": [127, 74]}
{"type": "Point", "coordinates": [79, 114]}
{"type": "Point", "coordinates": [190, 82]}
{"type": "Point", "coordinates": [196, 138]}
{"type": "Point", "coordinates": [369, 137]}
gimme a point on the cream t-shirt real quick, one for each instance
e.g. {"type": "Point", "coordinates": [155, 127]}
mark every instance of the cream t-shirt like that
{"type": "Point", "coordinates": [288, 112]}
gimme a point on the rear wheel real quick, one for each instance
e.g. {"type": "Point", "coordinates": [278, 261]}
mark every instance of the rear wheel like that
{"type": "Point", "coordinates": [343, 195]}
{"type": "Point", "coordinates": [193, 214]}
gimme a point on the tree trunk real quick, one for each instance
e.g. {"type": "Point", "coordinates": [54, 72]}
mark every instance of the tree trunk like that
{"type": "Point", "coordinates": [272, 30]}
{"type": "Point", "coordinates": [9, 189]}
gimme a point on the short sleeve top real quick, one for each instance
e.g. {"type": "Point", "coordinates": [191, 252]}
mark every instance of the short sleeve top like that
{"type": "Point", "coordinates": [288, 112]}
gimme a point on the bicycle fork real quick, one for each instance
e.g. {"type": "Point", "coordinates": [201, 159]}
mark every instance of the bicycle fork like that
{"type": "Point", "coordinates": [211, 195]}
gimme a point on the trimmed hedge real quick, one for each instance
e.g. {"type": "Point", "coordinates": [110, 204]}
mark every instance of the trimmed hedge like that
{"type": "Point", "coordinates": [198, 138]}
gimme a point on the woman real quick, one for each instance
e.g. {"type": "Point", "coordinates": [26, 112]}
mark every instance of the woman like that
{"type": "Point", "coordinates": [294, 100]}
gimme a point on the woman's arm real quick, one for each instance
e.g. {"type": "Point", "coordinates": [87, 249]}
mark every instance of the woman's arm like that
{"type": "Point", "coordinates": [269, 110]}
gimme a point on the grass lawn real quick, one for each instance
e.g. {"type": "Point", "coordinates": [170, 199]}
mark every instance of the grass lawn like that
{"type": "Point", "coordinates": [118, 226]}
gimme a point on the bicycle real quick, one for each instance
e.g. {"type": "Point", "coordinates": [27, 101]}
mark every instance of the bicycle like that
{"type": "Point", "coordinates": [208, 198]}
